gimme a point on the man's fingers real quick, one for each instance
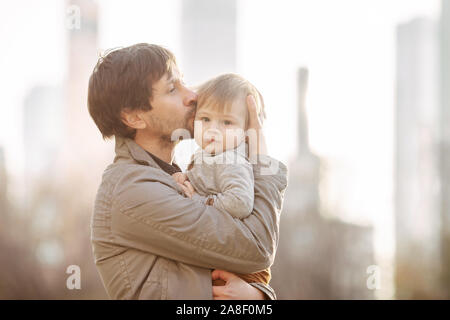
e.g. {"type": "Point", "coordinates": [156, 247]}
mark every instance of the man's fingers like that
{"type": "Point", "coordinates": [222, 274]}
{"type": "Point", "coordinates": [218, 291]}
{"type": "Point", "coordinates": [216, 274]}
{"type": "Point", "coordinates": [254, 121]}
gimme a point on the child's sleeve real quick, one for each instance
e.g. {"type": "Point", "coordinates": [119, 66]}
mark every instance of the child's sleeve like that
{"type": "Point", "coordinates": [236, 185]}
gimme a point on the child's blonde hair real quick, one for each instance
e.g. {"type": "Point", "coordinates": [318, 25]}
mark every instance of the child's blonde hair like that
{"type": "Point", "coordinates": [221, 91]}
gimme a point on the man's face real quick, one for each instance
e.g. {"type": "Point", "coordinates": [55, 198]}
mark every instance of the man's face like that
{"type": "Point", "coordinates": [173, 106]}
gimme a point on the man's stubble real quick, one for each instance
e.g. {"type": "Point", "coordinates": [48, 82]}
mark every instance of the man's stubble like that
{"type": "Point", "coordinates": [167, 127]}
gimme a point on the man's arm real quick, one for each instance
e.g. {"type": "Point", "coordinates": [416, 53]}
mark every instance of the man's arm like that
{"type": "Point", "coordinates": [153, 217]}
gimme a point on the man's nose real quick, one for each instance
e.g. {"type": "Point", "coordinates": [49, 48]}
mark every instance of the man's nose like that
{"type": "Point", "coordinates": [190, 97]}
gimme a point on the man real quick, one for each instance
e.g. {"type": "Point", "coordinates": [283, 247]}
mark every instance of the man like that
{"type": "Point", "coordinates": [150, 241]}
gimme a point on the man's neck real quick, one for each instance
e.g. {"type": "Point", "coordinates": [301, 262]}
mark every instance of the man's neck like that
{"type": "Point", "coordinates": [156, 146]}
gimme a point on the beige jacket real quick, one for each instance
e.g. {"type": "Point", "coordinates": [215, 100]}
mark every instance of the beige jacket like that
{"type": "Point", "coordinates": [151, 242]}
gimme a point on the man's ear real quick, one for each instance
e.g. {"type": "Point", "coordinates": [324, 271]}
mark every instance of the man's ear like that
{"type": "Point", "coordinates": [133, 118]}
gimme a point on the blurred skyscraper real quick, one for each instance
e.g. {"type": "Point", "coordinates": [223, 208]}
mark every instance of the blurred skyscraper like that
{"type": "Point", "coordinates": [317, 258]}
{"type": "Point", "coordinates": [65, 158]}
{"type": "Point", "coordinates": [43, 132]}
{"type": "Point", "coordinates": [208, 38]}
{"type": "Point", "coordinates": [85, 154]}
{"type": "Point", "coordinates": [43, 141]}
{"type": "Point", "coordinates": [305, 170]}
{"type": "Point", "coordinates": [208, 48]}
{"type": "Point", "coordinates": [419, 228]}
{"type": "Point", "coordinates": [3, 186]}
{"type": "Point", "coordinates": [82, 57]}
{"type": "Point", "coordinates": [445, 145]}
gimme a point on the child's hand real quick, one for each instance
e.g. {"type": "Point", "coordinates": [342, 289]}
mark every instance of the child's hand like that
{"type": "Point", "coordinates": [184, 183]}
{"type": "Point", "coordinates": [187, 188]}
{"type": "Point", "coordinates": [180, 177]}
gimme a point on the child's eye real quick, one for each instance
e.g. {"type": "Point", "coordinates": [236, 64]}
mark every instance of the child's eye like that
{"type": "Point", "coordinates": [172, 89]}
{"type": "Point", "coordinates": [227, 122]}
{"type": "Point", "coordinates": [206, 119]}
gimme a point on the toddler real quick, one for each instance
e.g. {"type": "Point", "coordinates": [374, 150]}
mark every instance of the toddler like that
{"type": "Point", "coordinates": [219, 170]}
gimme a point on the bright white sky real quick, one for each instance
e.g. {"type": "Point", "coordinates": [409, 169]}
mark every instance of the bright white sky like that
{"type": "Point", "coordinates": [347, 45]}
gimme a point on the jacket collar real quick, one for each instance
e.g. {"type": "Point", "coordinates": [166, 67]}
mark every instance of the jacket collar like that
{"type": "Point", "coordinates": [128, 149]}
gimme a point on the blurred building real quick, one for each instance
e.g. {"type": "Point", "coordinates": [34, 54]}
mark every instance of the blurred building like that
{"type": "Point", "coordinates": [43, 134]}
{"type": "Point", "coordinates": [43, 140]}
{"type": "Point", "coordinates": [3, 187]}
{"type": "Point", "coordinates": [208, 51]}
{"type": "Point", "coordinates": [445, 141]}
{"type": "Point", "coordinates": [65, 158]}
{"type": "Point", "coordinates": [305, 170]}
{"type": "Point", "coordinates": [317, 258]}
{"type": "Point", "coordinates": [419, 233]}
{"type": "Point", "coordinates": [85, 154]}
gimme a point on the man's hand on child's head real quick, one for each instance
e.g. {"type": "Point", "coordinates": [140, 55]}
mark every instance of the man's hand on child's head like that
{"type": "Point", "coordinates": [255, 122]}
{"type": "Point", "coordinates": [255, 135]}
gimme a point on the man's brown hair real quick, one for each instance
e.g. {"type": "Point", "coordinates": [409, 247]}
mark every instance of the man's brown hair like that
{"type": "Point", "coordinates": [122, 80]}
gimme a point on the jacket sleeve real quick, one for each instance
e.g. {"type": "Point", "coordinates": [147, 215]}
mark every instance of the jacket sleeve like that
{"type": "Point", "coordinates": [236, 187]}
{"type": "Point", "coordinates": [151, 216]}
{"type": "Point", "coordinates": [266, 289]}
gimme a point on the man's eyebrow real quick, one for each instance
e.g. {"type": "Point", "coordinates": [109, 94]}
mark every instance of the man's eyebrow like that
{"type": "Point", "coordinates": [173, 78]}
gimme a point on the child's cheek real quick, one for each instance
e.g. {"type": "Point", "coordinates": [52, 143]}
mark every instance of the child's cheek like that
{"type": "Point", "coordinates": [236, 134]}
{"type": "Point", "coordinates": [198, 132]}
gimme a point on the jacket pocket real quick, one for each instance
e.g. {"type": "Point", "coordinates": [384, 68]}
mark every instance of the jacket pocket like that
{"type": "Point", "coordinates": [155, 287]}
{"type": "Point", "coordinates": [151, 290]}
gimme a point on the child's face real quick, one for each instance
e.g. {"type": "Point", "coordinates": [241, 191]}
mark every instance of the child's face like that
{"type": "Point", "coordinates": [216, 131]}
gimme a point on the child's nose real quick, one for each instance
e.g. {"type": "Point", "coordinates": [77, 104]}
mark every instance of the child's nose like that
{"type": "Point", "coordinates": [213, 129]}
{"type": "Point", "coordinates": [214, 125]}
{"type": "Point", "coordinates": [212, 132]}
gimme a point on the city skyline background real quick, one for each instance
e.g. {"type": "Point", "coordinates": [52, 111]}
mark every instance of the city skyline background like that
{"type": "Point", "coordinates": [349, 49]}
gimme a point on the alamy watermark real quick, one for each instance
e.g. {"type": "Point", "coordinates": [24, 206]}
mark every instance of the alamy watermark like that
{"type": "Point", "coordinates": [73, 17]}
{"type": "Point", "coordinates": [374, 280]}
{"type": "Point", "coordinates": [74, 280]}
